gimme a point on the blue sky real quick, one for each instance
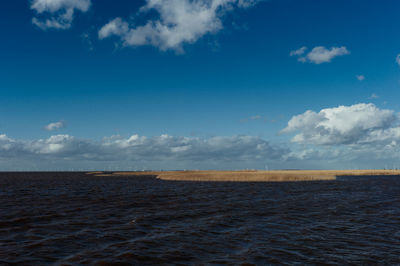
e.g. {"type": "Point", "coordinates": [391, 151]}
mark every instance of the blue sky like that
{"type": "Point", "coordinates": [99, 69]}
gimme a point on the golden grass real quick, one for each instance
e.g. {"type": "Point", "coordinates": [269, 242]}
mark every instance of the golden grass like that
{"type": "Point", "coordinates": [95, 173]}
{"type": "Point", "coordinates": [253, 175]}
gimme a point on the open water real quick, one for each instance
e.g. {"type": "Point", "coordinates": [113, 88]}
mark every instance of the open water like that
{"type": "Point", "coordinates": [72, 218]}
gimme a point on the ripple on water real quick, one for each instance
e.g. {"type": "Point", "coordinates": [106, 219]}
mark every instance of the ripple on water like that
{"type": "Point", "coordinates": [71, 218]}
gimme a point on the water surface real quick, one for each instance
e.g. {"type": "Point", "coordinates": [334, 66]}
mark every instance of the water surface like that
{"type": "Point", "coordinates": [72, 218]}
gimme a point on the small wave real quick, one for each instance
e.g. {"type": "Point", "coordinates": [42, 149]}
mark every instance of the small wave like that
{"type": "Point", "coordinates": [71, 218]}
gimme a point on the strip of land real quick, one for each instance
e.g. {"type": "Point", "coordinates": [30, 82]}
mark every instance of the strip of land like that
{"type": "Point", "coordinates": [252, 175]}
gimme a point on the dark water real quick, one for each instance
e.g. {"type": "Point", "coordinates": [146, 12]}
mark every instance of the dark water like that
{"type": "Point", "coordinates": [70, 218]}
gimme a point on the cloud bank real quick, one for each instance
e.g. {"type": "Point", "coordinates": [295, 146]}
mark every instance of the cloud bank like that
{"type": "Point", "coordinates": [139, 152]}
{"type": "Point", "coordinates": [178, 22]}
{"type": "Point", "coordinates": [57, 14]}
{"type": "Point", "coordinates": [356, 136]}
{"type": "Point", "coordinates": [319, 54]}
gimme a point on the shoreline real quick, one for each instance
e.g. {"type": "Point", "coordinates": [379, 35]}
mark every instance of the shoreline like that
{"type": "Point", "coordinates": [251, 175]}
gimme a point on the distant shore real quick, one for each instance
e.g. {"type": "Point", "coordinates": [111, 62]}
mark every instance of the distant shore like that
{"type": "Point", "coordinates": [251, 175]}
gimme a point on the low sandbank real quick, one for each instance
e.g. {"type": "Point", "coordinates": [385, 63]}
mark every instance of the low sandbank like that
{"type": "Point", "coordinates": [251, 175]}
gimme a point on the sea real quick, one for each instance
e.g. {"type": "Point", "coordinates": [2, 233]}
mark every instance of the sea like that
{"type": "Point", "coordinates": [70, 218]}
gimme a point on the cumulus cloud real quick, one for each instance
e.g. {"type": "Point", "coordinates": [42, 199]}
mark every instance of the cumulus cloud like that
{"type": "Point", "coordinates": [345, 137]}
{"type": "Point", "coordinates": [57, 14]}
{"type": "Point", "coordinates": [356, 124]}
{"type": "Point", "coordinates": [319, 54]}
{"type": "Point", "coordinates": [55, 126]}
{"type": "Point", "coordinates": [360, 77]}
{"type": "Point", "coordinates": [178, 22]}
{"type": "Point", "coordinates": [139, 151]}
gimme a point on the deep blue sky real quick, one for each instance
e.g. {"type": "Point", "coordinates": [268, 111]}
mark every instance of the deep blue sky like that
{"type": "Point", "coordinates": [243, 70]}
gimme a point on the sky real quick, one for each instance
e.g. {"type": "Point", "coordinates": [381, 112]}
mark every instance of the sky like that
{"type": "Point", "coordinates": [199, 84]}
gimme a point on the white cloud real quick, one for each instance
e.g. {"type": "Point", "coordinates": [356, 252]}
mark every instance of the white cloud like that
{"type": "Point", "coordinates": [377, 148]}
{"type": "Point", "coordinates": [55, 126]}
{"type": "Point", "coordinates": [398, 59]}
{"type": "Point", "coordinates": [360, 77]}
{"type": "Point", "coordinates": [141, 152]}
{"type": "Point", "coordinates": [345, 137]}
{"type": "Point", "coordinates": [115, 27]}
{"type": "Point", "coordinates": [179, 22]}
{"type": "Point", "coordinates": [298, 52]}
{"type": "Point", "coordinates": [355, 124]}
{"type": "Point", "coordinates": [57, 14]}
{"type": "Point", "coordinates": [319, 54]}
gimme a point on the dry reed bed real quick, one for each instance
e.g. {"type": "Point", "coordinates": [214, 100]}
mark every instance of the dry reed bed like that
{"type": "Point", "coordinates": [252, 176]}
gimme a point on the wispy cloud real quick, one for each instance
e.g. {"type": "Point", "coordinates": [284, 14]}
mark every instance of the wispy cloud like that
{"type": "Point", "coordinates": [360, 77]}
{"type": "Point", "coordinates": [179, 22]}
{"type": "Point", "coordinates": [298, 52]}
{"type": "Point", "coordinates": [55, 126]}
{"type": "Point", "coordinates": [251, 118]}
{"type": "Point", "coordinates": [319, 54]}
{"type": "Point", "coordinates": [57, 14]}
{"type": "Point", "coordinates": [398, 59]}
{"type": "Point", "coordinates": [373, 96]}
{"type": "Point", "coordinates": [86, 39]}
